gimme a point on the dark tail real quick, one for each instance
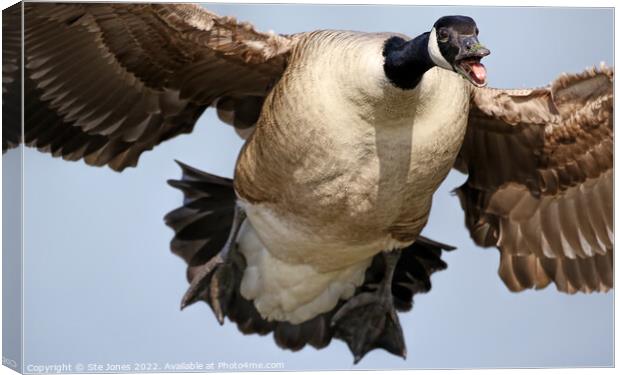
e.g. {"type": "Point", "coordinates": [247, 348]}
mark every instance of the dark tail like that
{"type": "Point", "coordinates": [201, 228]}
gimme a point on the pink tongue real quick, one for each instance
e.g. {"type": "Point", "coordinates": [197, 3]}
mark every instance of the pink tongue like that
{"type": "Point", "coordinates": [479, 72]}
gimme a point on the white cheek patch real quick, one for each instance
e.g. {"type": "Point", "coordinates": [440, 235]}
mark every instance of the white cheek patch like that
{"type": "Point", "coordinates": [435, 53]}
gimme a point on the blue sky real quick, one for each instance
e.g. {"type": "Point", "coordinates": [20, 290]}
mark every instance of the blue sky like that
{"type": "Point", "coordinates": [102, 286]}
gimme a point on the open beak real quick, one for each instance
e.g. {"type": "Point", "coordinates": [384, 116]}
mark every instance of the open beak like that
{"type": "Point", "coordinates": [467, 62]}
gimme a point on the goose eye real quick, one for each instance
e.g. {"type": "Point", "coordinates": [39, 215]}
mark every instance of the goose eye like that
{"type": "Point", "coordinates": [477, 31]}
{"type": "Point", "coordinates": [443, 35]}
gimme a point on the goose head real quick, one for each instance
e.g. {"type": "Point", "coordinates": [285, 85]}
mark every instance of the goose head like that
{"type": "Point", "coordinates": [453, 44]}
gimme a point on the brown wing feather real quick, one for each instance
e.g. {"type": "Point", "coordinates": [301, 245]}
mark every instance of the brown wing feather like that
{"type": "Point", "coordinates": [540, 165]}
{"type": "Point", "coordinates": [138, 74]}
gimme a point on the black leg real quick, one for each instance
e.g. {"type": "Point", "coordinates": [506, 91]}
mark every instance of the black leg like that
{"type": "Point", "coordinates": [214, 278]}
{"type": "Point", "coordinates": [368, 320]}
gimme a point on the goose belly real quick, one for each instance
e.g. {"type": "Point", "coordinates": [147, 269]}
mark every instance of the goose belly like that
{"type": "Point", "coordinates": [290, 291]}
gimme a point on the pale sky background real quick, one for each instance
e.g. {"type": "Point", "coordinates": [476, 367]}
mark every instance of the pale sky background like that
{"type": "Point", "coordinates": [102, 286]}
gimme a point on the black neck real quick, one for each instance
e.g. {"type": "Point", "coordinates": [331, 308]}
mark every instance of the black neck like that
{"type": "Point", "coordinates": [406, 61]}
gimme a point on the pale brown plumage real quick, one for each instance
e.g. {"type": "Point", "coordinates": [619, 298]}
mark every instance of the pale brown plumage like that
{"type": "Point", "coordinates": [106, 82]}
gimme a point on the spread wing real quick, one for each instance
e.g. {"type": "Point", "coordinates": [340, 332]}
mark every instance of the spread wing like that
{"type": "Point", "coordinates": [540, 165]}
{"type": "Point", "coordinates": [106, 82]}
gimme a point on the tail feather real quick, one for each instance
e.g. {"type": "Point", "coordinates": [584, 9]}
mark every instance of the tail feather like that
{"type": "Point", "coordinates": [202, 226]}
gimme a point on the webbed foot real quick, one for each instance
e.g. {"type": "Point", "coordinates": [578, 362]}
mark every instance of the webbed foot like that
{"type": "Point", "coordinates": [369, 320]}
{"type": "Point", "coordinates": [214, 280]}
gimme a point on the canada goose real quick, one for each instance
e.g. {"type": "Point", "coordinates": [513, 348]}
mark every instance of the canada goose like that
{"type": "Point", "coordinates": [223, 108]}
